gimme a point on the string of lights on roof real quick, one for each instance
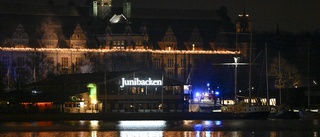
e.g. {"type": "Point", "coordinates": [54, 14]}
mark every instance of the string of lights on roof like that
{"type": "Point", "coordinates": [119, 50]}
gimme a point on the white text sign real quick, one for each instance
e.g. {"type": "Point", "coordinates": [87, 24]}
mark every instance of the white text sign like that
{"type": "Point", "coordinates": [138, 82]}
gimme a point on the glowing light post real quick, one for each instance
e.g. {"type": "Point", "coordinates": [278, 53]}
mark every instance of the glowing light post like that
{"type": "Point", "coordinates": [162, 91]}
{"type": "Point", "coordinates": [92, 95]}
{"type": "Point", "coordinates": [208, 86]}
{"type": "Point", "coordinates": [236, 59]}
{"type": "Point", "coordinates": [216, 96]}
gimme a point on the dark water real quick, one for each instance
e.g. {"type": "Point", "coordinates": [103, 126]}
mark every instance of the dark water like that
{"type": "Point", "coordinates": [159, 128]}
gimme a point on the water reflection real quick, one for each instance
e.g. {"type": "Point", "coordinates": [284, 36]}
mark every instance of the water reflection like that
{"type": "Point", "coordinates": [94, 124]}
{"type": "Point", "coordinates": [142, 125]}
{"type": "Point", "coordinates": [149, 128]}
{"type": "Point", "coordinates": [273, 134]}
{"type": "Point", "coordinates": [141, 134]}
{"type": "Point", "coordinates": [160, 134]}
{"type": "Point", "coordinates": [160, 128]}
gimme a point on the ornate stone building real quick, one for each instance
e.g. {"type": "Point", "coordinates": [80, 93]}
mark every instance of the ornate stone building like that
{"type": "Point", "coordinates": [180, 48]}
{"type": "Point", "coordinates": [118, 52]}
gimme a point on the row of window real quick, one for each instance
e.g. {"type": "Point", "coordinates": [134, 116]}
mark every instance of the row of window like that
{"type": "Point", "coordinates": [22, 42]}
{"type": "Point", "coordinates": [170, 64]}
{"type": "Point", "coordinates": [21, 61]}
{"type": "Point", "coordinates": [118, 43]}
{"type": "Point", "coordinates": [65, 61]}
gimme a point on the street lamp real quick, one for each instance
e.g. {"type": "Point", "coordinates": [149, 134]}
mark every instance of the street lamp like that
{"type": "Point", "coordinates": [236, 59]}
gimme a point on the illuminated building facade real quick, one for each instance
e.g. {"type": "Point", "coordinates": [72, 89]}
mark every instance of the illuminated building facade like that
{"type": "Point", "coordinates": [117, 52]}
{"type": "Point", "coordinates": [180, 49]}
{"type": "Point", "coordinates": [63, 44]}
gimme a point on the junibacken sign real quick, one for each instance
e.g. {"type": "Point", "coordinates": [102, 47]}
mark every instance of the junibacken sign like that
{"type": "Point", "coordinates": [138, 82]}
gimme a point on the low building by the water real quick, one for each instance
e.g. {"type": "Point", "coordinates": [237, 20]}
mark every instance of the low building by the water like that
{"type": "Point", "coordinates": [134, 91]}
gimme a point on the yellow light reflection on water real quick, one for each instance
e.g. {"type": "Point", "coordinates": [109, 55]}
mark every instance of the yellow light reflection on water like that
{"type": "Point", "coordinates": [93, 133]}
{"type": "Point", "coordinates": [152, 134]}
{"type": "Point", "coordinates": [147, 124]}
{"type": "Point", "coordinates": [142, 128]}
{"type": "Point", "coordinates": [141, 134]}
{"type": "Point", "coordinates": [94, 124]}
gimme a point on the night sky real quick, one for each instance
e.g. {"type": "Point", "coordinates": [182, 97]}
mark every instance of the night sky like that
{"type": "Point", "coordinates": [292, 15]}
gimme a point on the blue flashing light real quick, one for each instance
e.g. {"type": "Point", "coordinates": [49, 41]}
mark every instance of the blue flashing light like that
{"type": "Point", "coordinates": [217, 93]}
{"type": "Point", "coordinates": [208, 84]}
{"type": "Point", "coordinates": [208, 123]}
{"type": "Point", "coordinates": [198, 127]}
{"type": "Point", "coordinates": [218, 123]}
{"type": "Point", "coordinates": [197, 94]}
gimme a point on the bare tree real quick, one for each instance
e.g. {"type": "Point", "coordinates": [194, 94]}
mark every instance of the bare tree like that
{"type": "Point", "coordinates": [285, 75]}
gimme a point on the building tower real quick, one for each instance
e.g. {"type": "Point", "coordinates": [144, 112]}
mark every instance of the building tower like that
{"type": "Point", "coordinates": [20, 38]}
{"type": "Point", "coordinates": [100, 8]}
{"type": "Point", "coordinates": [243, 23]}
{"type": "Point", "coordinates": [127, 9]}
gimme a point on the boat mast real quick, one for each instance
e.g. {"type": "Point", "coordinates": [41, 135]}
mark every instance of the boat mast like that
{"type": "Point", "coordinates": [250, 64]}
{"type": "Point", "coordinates": [267, 81]}
{"type": "Point", "coordinates": [309, 75]}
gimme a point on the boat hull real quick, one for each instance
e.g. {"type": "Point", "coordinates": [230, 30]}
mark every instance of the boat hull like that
{"type": "Point", "coordinates": [243, 111]}
{"type": "Point", "coordinates": [252, 115]}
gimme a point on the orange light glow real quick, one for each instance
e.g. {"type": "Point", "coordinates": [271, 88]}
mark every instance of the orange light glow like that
{"type": "Point", "coordinates": [41, 105]}
{"type": "Point", "coordinates": [120, 50]}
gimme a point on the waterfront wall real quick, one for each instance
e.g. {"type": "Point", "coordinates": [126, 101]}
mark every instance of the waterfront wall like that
{"type": "Point", "coordinates": [113, 116]}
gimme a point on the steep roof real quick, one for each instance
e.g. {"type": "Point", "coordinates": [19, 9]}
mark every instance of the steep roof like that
{"type": "Point", "coordinates": [35, 18]}
{"type": "Point", "coordinates": [65, 19]}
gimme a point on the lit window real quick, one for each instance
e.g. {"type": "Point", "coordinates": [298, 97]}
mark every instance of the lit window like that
{"type": "Point", "coordinates": [157, 62]}
{"type": "Point", "coordinates": [64, 62]}
{"type": "Point", "coordinates": [170, 63]}
{"type": "Point", "coordinates": [183, 63]}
